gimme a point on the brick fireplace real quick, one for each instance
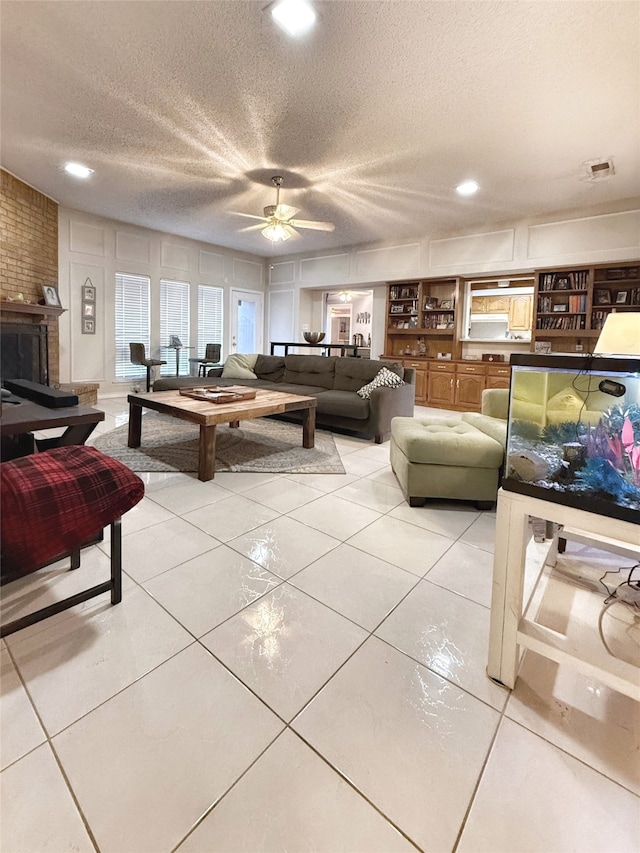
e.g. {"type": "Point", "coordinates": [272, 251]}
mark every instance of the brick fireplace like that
{"type": "Point", "coordinates": [29, 236]}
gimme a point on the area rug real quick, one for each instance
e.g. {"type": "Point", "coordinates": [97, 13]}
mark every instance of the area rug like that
{"type": "Point", "coordinates": [263, 446]}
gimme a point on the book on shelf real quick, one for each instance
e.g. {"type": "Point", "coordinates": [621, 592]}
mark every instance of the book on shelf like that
{"type": "Point", "coordinates": [575, 280]}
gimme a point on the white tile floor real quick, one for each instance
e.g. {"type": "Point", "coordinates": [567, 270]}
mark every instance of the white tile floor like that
{"type": "Point", "coordinates": [298, 663]}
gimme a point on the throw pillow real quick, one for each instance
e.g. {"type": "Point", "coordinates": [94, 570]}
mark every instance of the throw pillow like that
{"type": "Point", "coordinates": [384, 378]}
{"type": "Point", "coordinates": [240, 366]}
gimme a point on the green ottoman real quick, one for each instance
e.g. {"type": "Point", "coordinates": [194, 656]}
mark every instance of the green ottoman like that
{"type": "Point", "coordinates": [445, 458]}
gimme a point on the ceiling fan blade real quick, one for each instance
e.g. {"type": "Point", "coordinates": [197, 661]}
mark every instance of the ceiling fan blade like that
{"type": "Point", "coordinates": [252, 228]}
{"type": "Point", "coordinates": [285, 211]}
{"type": "Point", "coordinates": [314, 226]}
{"type": "Point", "coordinates": [250, 216]}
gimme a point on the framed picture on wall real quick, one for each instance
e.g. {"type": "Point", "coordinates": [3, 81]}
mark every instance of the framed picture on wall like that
{"type": "Point", "coordinates": [89, 309]}
{"type": "Point", "coordinates": [88, 327]}
{"type": "Point", "coordinates": [51, 296]}
{"type": "Point", "coordinates": [88, 293]}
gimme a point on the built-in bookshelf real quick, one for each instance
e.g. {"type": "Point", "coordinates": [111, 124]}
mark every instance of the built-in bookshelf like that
{"type": "Point", "coordinates": [562, 300]}
{"type": "Point", "coordinates": [422, 317]}
{"type": "Point", "coordinates": [614, 289]}
{"type": "Point", "coordinates": [572, 304]}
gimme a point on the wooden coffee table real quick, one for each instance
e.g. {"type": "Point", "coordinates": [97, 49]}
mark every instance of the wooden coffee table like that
{"type": "Point", "coordinates": [209, 415]}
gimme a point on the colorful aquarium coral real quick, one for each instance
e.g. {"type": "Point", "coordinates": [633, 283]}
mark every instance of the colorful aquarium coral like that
{"type": "Point", "coordinates": [574, 432]}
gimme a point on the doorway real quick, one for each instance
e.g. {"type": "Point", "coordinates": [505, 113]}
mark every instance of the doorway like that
{"type": "Point", "coordinates": [247, 321]}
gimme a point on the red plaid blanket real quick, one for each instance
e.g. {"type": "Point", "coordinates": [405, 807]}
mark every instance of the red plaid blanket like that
{"type": "Point", "coordinates": [52, 502]}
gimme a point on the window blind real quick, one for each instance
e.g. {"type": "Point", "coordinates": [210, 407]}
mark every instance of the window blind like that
{"type": "Point", "coordinates": [209, 317]}
{"type": "Point", "coordinates": [174, 320]}
{"type": "Point", "coordinates": [133, 322]}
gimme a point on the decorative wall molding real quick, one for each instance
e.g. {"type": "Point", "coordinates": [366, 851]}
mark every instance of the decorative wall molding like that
{"type": "Point", "coordinates": [389, 261]}
{"type": "Point", "coordinates": [173, 256]}
{"type": "Point", "coordinates": [247, 271]}
{"type": "Point", "coordinates": [282, 273]}
{"type": "Point", "coordinates": [493, 247]}
{"type": "Point", "coordinates": [86, 239]}
{"type": "Point", "coordinates": [327, 267]}
{"type": "Point", "coordinates": [211, 264]}
{"type": "Point", "coordinates": [281, 314]}
{"type": "Point", "coordinates": [607, 232]}
{"type": "Point", "coordinates": [132, 247]}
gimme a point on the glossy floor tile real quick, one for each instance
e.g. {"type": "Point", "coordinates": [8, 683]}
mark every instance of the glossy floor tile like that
{"type": "Point", "coordinates": [292, 800]}
{"type": "Point", "coordinates": [361, 587]}
{"type": "Point", "coordinates": [524, 769]}
{"type": "Point", "coordinates": [298, 663]}
{"type": "Point", "coordinates": [285, 647]}
{"type": "Point", "coordinates": [395, 729]}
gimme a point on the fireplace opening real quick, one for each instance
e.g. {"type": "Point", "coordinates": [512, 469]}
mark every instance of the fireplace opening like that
{"type": "Point", "coordinates": [24, 352]}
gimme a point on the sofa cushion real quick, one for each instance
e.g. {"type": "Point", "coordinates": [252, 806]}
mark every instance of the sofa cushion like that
{"type": "Point", "coordinates": [353, 373]}
{"type": "Point", "coordinates": [383, 379]}
{"type": "Point", "coordinates": [311, 370]}
{"type": "Point", "coordinates": [293, 388]}
{"type": "Point", "coordinates": [269, 367]}
{"type": "Point", "coordinates": [240, 366]}
{"type": "Point", "coordinates": [496, 428]}
{"type": "Point", "coordinates": [344, 404]}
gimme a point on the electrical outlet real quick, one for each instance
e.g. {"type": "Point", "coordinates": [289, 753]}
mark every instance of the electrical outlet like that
{"type": "Point", "coordinates": [579, 347]}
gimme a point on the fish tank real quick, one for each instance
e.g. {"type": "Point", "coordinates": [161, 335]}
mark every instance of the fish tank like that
{"type": "Point", "coordinates": [574, 432]}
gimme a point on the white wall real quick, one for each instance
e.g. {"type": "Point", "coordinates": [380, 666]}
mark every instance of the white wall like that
{"type": "Point", "coordinates": [592, 236]}
{"type": "Point", "coordinates": [97, 248]}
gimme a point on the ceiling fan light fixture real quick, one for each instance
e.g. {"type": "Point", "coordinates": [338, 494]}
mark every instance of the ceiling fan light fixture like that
{"type": "Point", "coordinates": [295, 17]}
{"type": "Point", "coordinates": [276, 232]}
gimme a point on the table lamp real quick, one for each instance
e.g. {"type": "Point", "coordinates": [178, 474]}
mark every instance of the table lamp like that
{"type": "Point", "coordinates": [620, 334]}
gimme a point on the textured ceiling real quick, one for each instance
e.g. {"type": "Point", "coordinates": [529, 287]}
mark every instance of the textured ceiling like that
{"type": "Point", "coordinates": [186, 109]}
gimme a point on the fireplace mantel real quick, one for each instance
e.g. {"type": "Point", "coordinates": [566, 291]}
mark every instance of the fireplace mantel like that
{"type": "Point", "coordinates": [42, 311]}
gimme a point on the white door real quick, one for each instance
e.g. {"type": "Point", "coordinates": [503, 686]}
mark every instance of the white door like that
{"type": "Point", "coordinates": [247, 321]}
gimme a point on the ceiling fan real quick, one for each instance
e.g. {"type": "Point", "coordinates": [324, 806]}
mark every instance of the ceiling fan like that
{"type": "Point", "coordinates": [278, 224]}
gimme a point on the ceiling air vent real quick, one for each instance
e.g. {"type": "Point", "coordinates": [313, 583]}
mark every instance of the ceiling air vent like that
{"type": "Point", "coordinates": [598, 170]}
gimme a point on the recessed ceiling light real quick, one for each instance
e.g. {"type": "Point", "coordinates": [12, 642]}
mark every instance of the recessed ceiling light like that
{"type": "Point", "coordinates": [467, 188]}
{"type": "Point", "coordinates": [77, 170]}
{"type": "Point", "coordinates": [295, 17]}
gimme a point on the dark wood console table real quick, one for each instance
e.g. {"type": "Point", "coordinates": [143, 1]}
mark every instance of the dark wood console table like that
{"type": "Point", "coordinates": [21, 418]}
{"type": "Point", "coordinates": [351, 349]}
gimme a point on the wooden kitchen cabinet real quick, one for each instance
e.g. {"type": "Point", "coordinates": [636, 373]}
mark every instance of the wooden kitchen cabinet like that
{"type": "Point", "coordinates": [421, 368]}
{"type": "Point", "coordinates": [498, 376]}
{"type": "Point", "coordinates": [441, 384]}
{"type": "Point", "coordinates": [469, 385]}
{"type": "Point", "coordinates": [520, 313]}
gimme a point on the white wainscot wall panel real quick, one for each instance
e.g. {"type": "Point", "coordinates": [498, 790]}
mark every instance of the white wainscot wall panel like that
{"type": "Point", "coordinates": [492, 247]}
{"type": "Point", "coordinates": [174, 256]}
{"type": "Point", "coordinates": [389, 262]}
{"type": "Point", "coordinates": [281, 315]}
{"type": "Point", "coordinates": [87, 239]}
{"type": "Point", "coordinates": [283, 273]}
{"type": "Point", "coordinates": [327, 269]}
{"type": "Point", "coordinates": [595, 233]}
{"type": "Point", "coordinates": [131, 247]}
{"type": "Point", "coordinates": [87, 351]}
{"type": "Point", "coordinates": [247, 271]}
{"type": "Point", "coordinates": [211, 265]}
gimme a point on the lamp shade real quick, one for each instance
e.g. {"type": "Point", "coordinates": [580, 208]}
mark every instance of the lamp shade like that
{"type": "Point", "coordinates": [620, 334]}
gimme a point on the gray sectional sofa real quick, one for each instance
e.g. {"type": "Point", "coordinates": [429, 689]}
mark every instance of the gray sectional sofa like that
{"type": "Point", "coordinates": [333, 380]}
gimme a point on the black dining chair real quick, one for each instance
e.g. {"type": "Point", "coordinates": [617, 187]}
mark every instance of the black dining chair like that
{"type": "Point", "coordinates": [211, 356]}
{"type": "Point", "coordinates": [138, 355]}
